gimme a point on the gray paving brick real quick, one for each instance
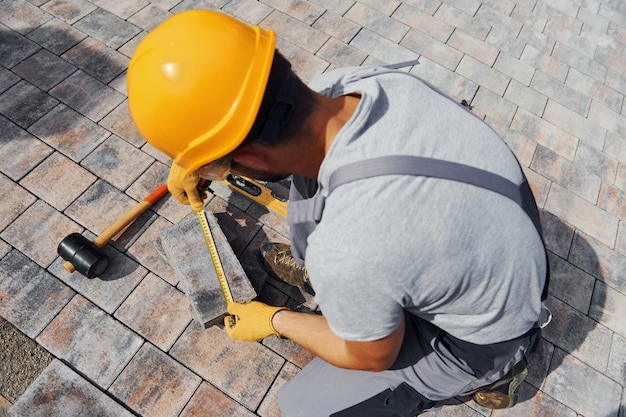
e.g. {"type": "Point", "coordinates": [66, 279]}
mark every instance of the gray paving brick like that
{"type": "Point", "coordinates": [157, 311]}
{"type": "Point", "coordinates": [567, 174]}
{"type": "Point", "coordinates": [14, 162]}
{"type": "Point", "coordinates": [559, 92]}
{"type": "Point", "coordinates": [522, 146]}
{"type": "Point", "coordinates": [450, 15]}
{"type": "Point", "coordinates": [250, 11]}
{"type": "Point", "coordinates": [514, 68]}
{"type": "Point", "coordinates": [302, 10]}
{"type": "Point", "coordinates": [525, 15]}
{"type": "Point", "coordinates": [56, 36]}
{"type": "Point", "coordinates": [535, 403]}
{"type": "Point", "coordinates": [585, 129]}
{"type": "Point", "coordinates": [526, 97]}
{"type": "Point", "coordinates": [608, 306]}
{"type": "Point", "coordinates": [154, 384]}
{"type": "Point", "coordinates": [149, 17]}
{"type": "Point", "coordinates": [120, 123]}
{"type": "Point", "coordinates": [69, 132]}
{"type": "Point", "coordinates": [449, 82]}
{"type": "Point", "coordinates": [493, 106]}
{"type": "Point", "coordinates": [289, 350]}
{"type": "Point", "coordinates": [59, 391]}
{"type": "Point", "coordinates": [96, 59]}
{"type": "Point", "coordinates": [336, 6]}
{"type": "Point", "coordinates": [617, 359]}
{"type": "Point", "coordinates": [123, 9]}
{"type": "Point", "coordinates": [337, 26]}
{"type": "Point", "coordinates": [483, 75]}
{"type": "Point", "coordinates": [597, 163]}
{"type": "Point", "coordinates": [292, 29]}
{"type": "Point", "coordinates": [571, 284]}
{"type": "Point", "coordinates": [428, 6]}
{"type": "Point", "coordinates": [558, 235]}
{"type": "Point", "coordinates": [564, 18]}
{"type": "Point", "coordinates": [577, 61]}
{"type": "Point", "coordinates": [377, 22]}
{"type": "Point", "coordinates": [620, 246]}
{"type": "Point", "coordinates": [578, 335]}
{"type": "Point", "coordinates": [7, 79]}
{"type": "Point", "coordinates": [22, 16]}
{"type": "Point", "coordinates": [546, 134]}
{"type": "Point", "coordinates": [31, 296]}
{"type": "Point", "coordinates": [117, 162]}
{"type": "Point", "coordinates": [536, 39]}
{"type": "Point", "coordinates": [384, 6]}
{"type": "Point", "coordinates": [14, 48]}
{"type": "Point", "coordinates": [504, 30]}
{"type": "Point", "coordinates": [602, 395]}
{"type": "Point", "coordinates": [545, 63]}
{"type": "Point", "coordinates": [91, 341]}
{"type": "Point", "coordinates": [430, 48]}
{"type": "Point", "coordinates": [473, 47]}
{"type": "Point", "coordinates": [68, 11]}
{"type": "Point", "coordinates": [607, 119]}
{"type": "Point", "coordinates": [24, 104]}
{"type": "Point", "coordinates": [208, 397]}
{"type": "Point", "coordinates": [46, 179]}
{"type": "Point", "coordinates": [215, 357]}
{"type": "Point", "coordinates": [148, 252]}
{"type": "Point", "coordinates": [11, 208]}
{"type": "Point", "coordinates": [570, 39]}
{"type": "Point", "coordinates": [107, 28]}
{"type": "Point", "coordinates": [341, 54]}
{"type": "Point", "coordinates": [269, 406]}
{"type": "Point", "coordinates": [44, 70]}
{"type": "Point", "coordinates": [87, 95]}
{"type": "Point", "coordinates": [539, 363]}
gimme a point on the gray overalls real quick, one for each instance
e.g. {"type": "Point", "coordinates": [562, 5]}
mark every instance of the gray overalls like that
{"type": "Point", "coordinates": [432, 365]}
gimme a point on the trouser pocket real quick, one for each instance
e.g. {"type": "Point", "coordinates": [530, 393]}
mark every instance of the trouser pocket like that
{"type": "Point", "coordinates": [404, 401]}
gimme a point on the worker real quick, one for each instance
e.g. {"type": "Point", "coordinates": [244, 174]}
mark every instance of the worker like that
{"type": "Point", "coordinates": [410, 220]}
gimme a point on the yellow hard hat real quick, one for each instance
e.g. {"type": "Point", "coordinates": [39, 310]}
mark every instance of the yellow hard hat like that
{"type": "Point", "coordinates": [196, 82]}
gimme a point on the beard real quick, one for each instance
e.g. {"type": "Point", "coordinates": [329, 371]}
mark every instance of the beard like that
{"type": "Point", "coordinates": [257, 174]}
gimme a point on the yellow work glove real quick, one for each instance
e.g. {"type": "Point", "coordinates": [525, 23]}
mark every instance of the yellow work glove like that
{"type": "Point", "coordinates": [253, 321]}
{"type": "Point", "coordinates": [184, 187]}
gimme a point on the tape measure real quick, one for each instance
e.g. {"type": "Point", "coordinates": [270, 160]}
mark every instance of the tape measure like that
{"type": "Point", "coordinates": [257, 192]}
{"type": "Point", "coordinates": [217, 264]}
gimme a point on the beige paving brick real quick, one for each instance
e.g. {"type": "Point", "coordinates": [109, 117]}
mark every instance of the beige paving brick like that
{"type": "Point", "coordinates": [461, 15]}
{"type": "Point", "coordinates": [269, 406]}
{"type": "Point", "coordinates": [437, 28]}
{"type": "Point", "coordinates": [473, 47]}
{"type": "Point", "coordinates": [564, 18]}
{"type": "Point", "coordinates": [607, 118]}
{"type": "Point", "coordinates": [493, 106]}
{"type": "Point", "coordinates": [149, 17]}
{"type": "Point", "coordinates": [586, 130]}
{"type": "Point", "coordinates": [595, 89]}
{"type": "Point", "coordinates": [545, 133]}
{"type": "Point", "coordinates": [582, 214]}
{"type": "Point", "coordinates": [59, 391]}
{"type": "Point", "coordinates": [616, 369]}
{"type": "Point", "coordinates": [148, 252]}
{"type": "Point", "coordinates": [543, 62]}
{"type": "Point", "coordinates": [107, 28]}
{"type": "Point", "coordinates": [596, 163]}
{"type": "Point", "coordinates": [295, 31]}
{"type": "Point", "coordinates": [302, 10]}
{"type": "Point", "coordinates": [522, 146]}
{"type": "Point", "coordinates": [451, 83]}
{"type": "Point", "coordinates": [337, 26]}
{"type": "Point", "coordinates": [621, 238]}
{"type": "Point", "coordinates": [244, 371]}
{"type": "Point", "coordinates": [525, 15]}
{"type": "Point", "coordinates": [336, 6]}
{"type": "Point", "coordinates": [70, 12]}
{"type": "Point", "coordinates": [608, 307]}
{"type": "Point", "coordinates": [341, 54]}
{"type": "Point", "coordinates": [31, 297]}
{"type": "Point", "coordinates": [525, 97]}
{"type": "Point", "coordinates": [306, 65]}
{"type": "Point", "coordinates": [539, 185]}
{"type": "Point", "coordinates": [122, 9]}
{"type": "Point", "coordinates": [537, 404]}
{"type": "Point", "coordinates": [69, 132]}
{"type": "Point", "coordinates": [483, 75]}
{"type": "Point", "coordinates": [11, 208]}
{"type": "Point", "coordinates": [574, 59]}
{"type": "Point", "coordinates": [383, 49]}
{"type": "Point", "coordinates": [89, 340]}
{"type": "Point", "coordinates": [514, 68]}
{"type": "Point", "coordinates": [386, 7]}
{"type": "Point", "coordinates": [578, 335]}
{"type": "Point", "coordinates": [289, 350]}
{"type": "Point", "coordinates": [208, 397]}
{"type": "Point", "coordinates": [157, 311]}
{"type": "Point", "coordinates": [560, 93]}
{"type": "Point", "coordinates": [97, 59]}
{"type": "Point", "coordinates": [377, 22]}
{"type": "Point", "coordinates": [250, 11]}
{"type": "Point", "coordinates": [571, 39]}
{"type": "Point", "coordinates": [432, 49]}
{"type": "Point", "coordinates": [58, 181]}
{"type": "Point", "coordinates": [120, 123]}
{"type": "Point", "coordinates": [557, 235]}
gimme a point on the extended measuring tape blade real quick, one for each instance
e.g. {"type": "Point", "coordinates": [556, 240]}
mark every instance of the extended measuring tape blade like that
{"type": "Point", "coordinates": [215, 257]}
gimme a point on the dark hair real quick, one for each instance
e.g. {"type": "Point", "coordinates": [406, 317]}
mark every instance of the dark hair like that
{"type": "Point", "coordinates": [285, 107]}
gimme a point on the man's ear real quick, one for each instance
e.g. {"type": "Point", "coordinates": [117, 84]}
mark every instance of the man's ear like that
{"type": "Point", "coordinates": [252, 155]}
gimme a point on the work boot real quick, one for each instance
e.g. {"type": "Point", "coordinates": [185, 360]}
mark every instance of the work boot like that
{"type": "Point", "coordinates": [281, 264]}
{"type": "Point", "coordinates": [503, 393]}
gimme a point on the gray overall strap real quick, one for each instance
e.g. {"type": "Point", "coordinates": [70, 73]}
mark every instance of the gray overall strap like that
{"type": "Point", "coordinates": [437, 168]}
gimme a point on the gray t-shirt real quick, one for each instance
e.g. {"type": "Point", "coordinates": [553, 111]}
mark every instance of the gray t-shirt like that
{"type": "Point", "coordinates": [466, 259]}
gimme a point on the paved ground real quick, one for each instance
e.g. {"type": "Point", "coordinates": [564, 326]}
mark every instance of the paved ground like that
{"type": "Point", "coordinates": [549, 76]}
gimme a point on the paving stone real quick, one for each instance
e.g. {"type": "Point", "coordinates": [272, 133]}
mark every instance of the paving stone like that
{"type": "Point", "coordinates": [535, 403]}
{"type": "Point", "coordinates": [493, 106]}
{"type": "Point", "coordinates": [7, 79]}
{"type": "Point", "coordinates": [383, 49]}
{"type": "Point", "coordinates": [69, 11]}
{"type": "Point", "coordinates": [577, 61]}
{"type": "Point", "coordinates": [123, 9]}
{"type": "Point", "coordinates": [567, 174]}
{"type": "Point", "coordinates": [238, 227]}
{"type": "Point", "coordinates": [300, 33]}
{"type": "Point", "coordinates": [560, 93]}
{"type": "Point", "coordinates": [249, 11]}
{"type": "Point", "coordinates": [244, 371]}
{"type": "Point", "coordinates": [22, 16]}
{"type": "Point", "coordinates": [607, 119]}
{"type": "Point", "coordinates": [557, 235]}
{"type": "Point", "coordinates": [595, 89]}
{"type": "Point", "coordinates": [615, 146]}
{"type": "Point", "coordinates": [582, 214]}
{"type": "Point", "coordinates": [539, 363]}
{"type": "Point", "coordinates": [602, 395]}
{"type": "Point", "coordinates": [527, 98]}
{"type": "Point", "coordinates": [302, 10]}
{"type": "Point", "coordinates": [545, 63]}
{"type": "Point", "coordinates": [154, 384]}
{"type": "Point", "coordinates": [149, 17]}
{"type": "Point", "coordinates": [564, 18]}
{"type": "Point", "coordinates": [455, 16]}
{"type": "Point", "coordinates": [483, 75]}
{"type": "Point", "coordinates": [157, 311]}
{"type": "Point", "coordinates": [289, 350]}
{"type": "Point", "coordinates": [44, 70]}
{"type": "Point", "coordinates": [476, 48]}
{"type": "Point", "coordinates": [96, 59]}
{"type": "Point", "coordinates": [586, 130]}
{"type": "Point", "coordinates": [377, 22]}
{"type": "Point", "coordinates": [30, 297]}
{"type": "Point", "coordinates": [147, 250]}
{"type": "Point", "coordinates": [11, 208]}
{"type": "Point", "coordinates": [600, 165]}
{"type": "Point", "coordinates": [269, 406]}
{"type": "Point", "coordinates": [616, 81]}
{"type": "Point", "coordinates": [37, 232]}
{"type": "Point", "coordinates": [107, 28]}
{"type": "Point", "coordinates": [120, 123]}
{"type": "Point", "coordinates": [208, 397]}
{"type": "Point", "coordinates": [305, 64]}
{"type": "Point", "coordinates": [608, 306]}
{"type": "Point", "coordinates": [616, 369]}
{"type": "Point", "coordinates": [14, 48]}
{"type": "Point", "coordinates": [454, 85]}
{"type": "Point", "coordinates": [112, 287]}
{"type": "Point", "coordinates": [525, 15]}
{"type": "Point", "coordinates": [578, 335]}
{"type": "Point", "coordinates": [59, 391]}
{"type": "Point", "coordinates": [340, 54]}
{"type": "Point", "coordinates": [117, 162]}
{"type": "Point", "coordinates": [188, 254]}
{"type": "Point", "coordinates": [338, 6]}
{"type": "Point", "coordinates": [545, 133]}
{"type": "Point", "coordinates": [56, 171]}
{"type": "Point", "coordinates": [338, 27]}
{"type": "Point", "coordinates": [56, 36]}
{"type": "Point", "coordinates": [432, 49]}
{"type": "Point", "coordinates": [91, 341]}
{"type": "Point", "coordinates": [570, 39]}
{"type": "Point", "coordinates": [540, 187]}
{"type": "Point", "coordinates": [514, 68]}
{"type": "Point", "coordinates": [87, 95]}
{"type": "Point", "coordinates": [69, 132]}
{"type": "Point", "coordinates": [435, 27]}
{"type": "Point", "coordinates": [522, 146]}
{"type": "Point", "coordinates": [570, 284]}
{"type": "Point", "coordinates": [24, 104]}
